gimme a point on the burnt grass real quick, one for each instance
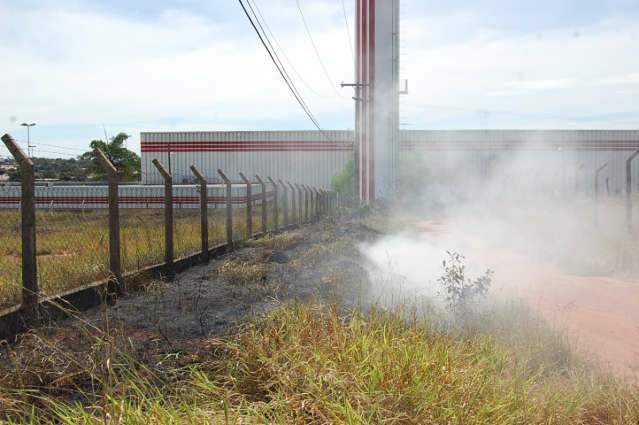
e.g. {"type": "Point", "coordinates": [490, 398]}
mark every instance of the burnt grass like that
{"type": "Point", "coordinates": [319, 261]}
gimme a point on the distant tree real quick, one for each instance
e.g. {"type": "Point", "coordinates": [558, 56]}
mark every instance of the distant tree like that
{"type": "Point", "coordinates": [342, 183]}
{"type": "Point", "coordinates": [127, 162]}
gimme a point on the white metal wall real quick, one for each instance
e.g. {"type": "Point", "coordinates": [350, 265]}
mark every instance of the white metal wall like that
{"type": "Point", "coordinates": [309, 157]}
{"type": "Point", "coordinates": [567, 158]}
{"type": "Point", "coordinates": [306, 157]}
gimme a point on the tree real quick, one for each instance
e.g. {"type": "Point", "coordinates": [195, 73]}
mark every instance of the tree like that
{"type": "Point", "coordinates": [127, 162]}
{"type": "Point", "coordinates": [342, 183]}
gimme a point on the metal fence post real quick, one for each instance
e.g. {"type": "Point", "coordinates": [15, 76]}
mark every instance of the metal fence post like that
{"type": "Point", "coordinates": [300, 217]}
{"type": "Point", "coordinates": [229, 208]}
{"type": "Point", "coordinates": [307, 193]}
{"type": "Point", "coordinates": [30, 292]}
{"type": "Point", "coordinates": [249, 206]}
{"type": "Point", "coordinates": [629, 189]}
{"type": "Point", "coordinates": [293, 210]}
{"type": "Point", "coordinates": [204, 214]}
{"type": "Point", "coordinates": [284, 202]}
{"type": "Point", "coordinates": [312, 200]}
{"type": "Point", "coordinates": [316, 206]}
{"type": "Point", "coordinates": [276, 212]}
{"type": "Point", "coordinates": [115, 264]}
{"type": "Point", "coordinates": [168, 216]}
{"type": "Point", "coordinates": [264, 203]}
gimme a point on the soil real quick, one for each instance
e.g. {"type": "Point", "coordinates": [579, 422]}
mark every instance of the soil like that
{"type": "Point", "coordinates": [599, 313]}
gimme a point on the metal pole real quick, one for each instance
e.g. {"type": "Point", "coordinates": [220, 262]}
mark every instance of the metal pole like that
{"type": "Point", "coordinates": [317, 201]}
{"type": "Point", "coordinates": [300, 216]}
{"type": "Point", "coordinates": [306, 203]}
{"type": "Point", "coordinates": [284, 202]}
{"type": "Point", "coordinates": [249, 206]}
{"type": "Point", "coordinates": [276, 212]}
{"type": "Point", "coordinates": [204, 213]}
{"type": "Point", "coordinates": [629, 189]}
{"type": "Point", "coordinates": [30, 292]}
{"type": "Point", "coordinates": [168, 217]}
{"type": "Point", "coordinates": [293, 210]}
{"type": "Point", "coordinates": [115, 264]}
{"type": "Point", "coordinates": [229, 209]}
{"type": "Point", "coordinates": [264, 203]}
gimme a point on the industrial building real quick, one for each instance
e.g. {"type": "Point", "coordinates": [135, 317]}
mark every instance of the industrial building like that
{"type": "Point", "coordinates": [313, 157]}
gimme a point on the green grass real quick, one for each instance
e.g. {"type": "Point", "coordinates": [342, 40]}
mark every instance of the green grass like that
{"type": "Point", "coordinates": [309, 364]}
{"type": "Point", "coordinates": [73, 246]}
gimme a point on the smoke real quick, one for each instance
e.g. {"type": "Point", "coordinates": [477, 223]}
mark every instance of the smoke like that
{"type": "Point", "coordinates": [529, 214]}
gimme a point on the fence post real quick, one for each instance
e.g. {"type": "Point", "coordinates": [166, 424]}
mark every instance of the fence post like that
{"type": "Point", "coordinates": [300, 217]}
{"type": "Point", "coordinates": [30, 292]}
{"type": "Point", "coordinates": [168, 216]}
{"type": "Point", "coordinates": [249, 206]}
{"type": "Point", "coordinates": [115, 264]}
{"type": "Point", "coordinates": [312, 196]}
{"type": "Point", "coordinates": [264, 203]}
{"type": "Point", "coordinates": [204, 214]}
{"type": "Point", "coordinates": [229, 208]}
{"type": "Point", "coordinates": [597, 173]}
{"type": "Point", "coordinates": [629, 189]}
{"type": "Point", "coordinates": [307, 193]}
{"type": "Point", "coordinates": [316, 204]}
{"type": "Point", "coordinates": [284, 202]}
{"type": "Point", "coordinates": [276, 212]}
{"type": "Point", "coordinates": [293, 210]}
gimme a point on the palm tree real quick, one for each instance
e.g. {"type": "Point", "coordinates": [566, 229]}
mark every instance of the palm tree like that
{"type": "Point", "coordinates": [127, 162]}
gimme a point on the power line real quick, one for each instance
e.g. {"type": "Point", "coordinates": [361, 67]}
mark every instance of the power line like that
{"type": "Point", "coordinates": [288, 60]}
{"type": "Point", "coordinates": [348, 31]}
{"type": "Point", "coordinates": [319, 58]}
{"type": "Point", "coordinates": [289, 84]}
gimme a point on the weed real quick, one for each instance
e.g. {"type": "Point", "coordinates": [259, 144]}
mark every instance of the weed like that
{"type": "Point", "coordinates": [461, 293]}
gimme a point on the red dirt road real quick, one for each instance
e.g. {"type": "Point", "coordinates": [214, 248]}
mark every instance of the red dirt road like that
{"type": "Point", "coordinates": [600, 314]}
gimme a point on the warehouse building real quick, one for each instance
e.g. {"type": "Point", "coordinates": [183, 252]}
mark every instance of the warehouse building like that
{"type": "Point", "coordinates": [313, 157]}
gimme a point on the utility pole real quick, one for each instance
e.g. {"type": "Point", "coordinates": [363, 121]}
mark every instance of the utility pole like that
{"type": "Point", "coordinates": [24, 124]}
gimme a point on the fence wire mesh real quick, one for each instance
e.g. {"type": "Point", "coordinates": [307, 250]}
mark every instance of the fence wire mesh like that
{"type": "Point", "coordinates": [72, 243]}
{"type": "Point", "coordinates": [187, 231]}
{"type": "Point", "coordinates": [10, 258]}
{"type": "Point", "coordinates": [72, 248]}
{"type": "Point", "coordinates": [142, 237]}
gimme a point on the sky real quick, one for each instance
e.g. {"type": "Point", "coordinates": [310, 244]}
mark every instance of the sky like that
{"type": "Point", "coordinates": [83, 68]}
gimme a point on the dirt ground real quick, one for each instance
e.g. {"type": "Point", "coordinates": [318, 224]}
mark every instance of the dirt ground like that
{"type": "Point", "coordinates": [599, 313]}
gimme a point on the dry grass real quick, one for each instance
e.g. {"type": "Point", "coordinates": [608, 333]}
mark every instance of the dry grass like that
{"type": "Point", "coordinates": [73, 246]}
{"type": "Point", "coordinates": [238, 272]}
{"type": "Point", "coordinates": [308, 364]}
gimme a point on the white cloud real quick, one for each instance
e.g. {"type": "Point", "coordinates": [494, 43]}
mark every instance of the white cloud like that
{"type": "Point", "coordinates": [524, 76]}
{"type": "Point", "coordinates": [79, 67]}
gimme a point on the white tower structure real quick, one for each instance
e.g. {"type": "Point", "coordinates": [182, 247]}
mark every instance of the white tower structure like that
{"type": "Point", "coordinates": [377, 98]}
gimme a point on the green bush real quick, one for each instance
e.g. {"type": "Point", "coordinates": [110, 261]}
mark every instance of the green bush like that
{"type": "Point", "coordinates": [342, 183]}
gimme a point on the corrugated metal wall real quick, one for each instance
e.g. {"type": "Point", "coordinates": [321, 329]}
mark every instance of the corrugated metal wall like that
{"type": "Point", "coordinates": [306, 157]}
{"type": "Point", "coordinates": [567, 158]}
{"type": "Point", "coordinates": [313, 158]}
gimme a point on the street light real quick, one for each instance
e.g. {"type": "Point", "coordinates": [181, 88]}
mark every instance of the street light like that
{"type": "Point", "coordinates": [24, 124]}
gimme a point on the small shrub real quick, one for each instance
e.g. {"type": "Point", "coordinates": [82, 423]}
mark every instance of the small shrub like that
{"type": "Point", "coordinates": [462, 292]}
